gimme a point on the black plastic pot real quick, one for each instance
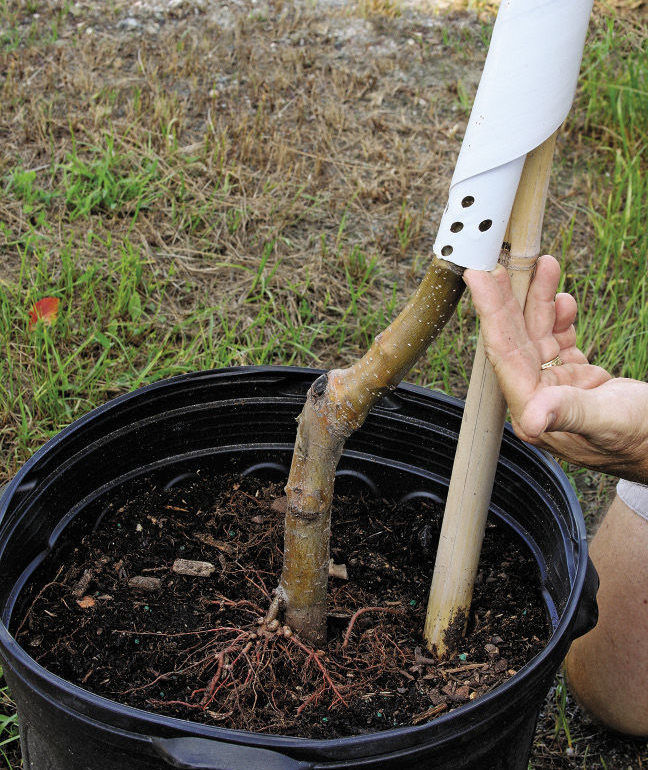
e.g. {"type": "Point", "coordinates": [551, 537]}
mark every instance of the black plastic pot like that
{"type": "Point", "coordinates": [244, 419]}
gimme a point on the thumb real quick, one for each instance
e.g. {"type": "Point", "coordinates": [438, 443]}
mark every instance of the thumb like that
{"type": "Point", "coordinates": [564, 408]}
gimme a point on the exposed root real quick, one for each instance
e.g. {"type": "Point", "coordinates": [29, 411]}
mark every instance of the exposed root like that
{"type": "Point", "coordinates": [246, 665]}
{"type": "Point", "coordinates": [314, 656]}
{"type": "Point", "coordinates": [356, 615]}
{"type": "Point", "coordinates": [273, 611]}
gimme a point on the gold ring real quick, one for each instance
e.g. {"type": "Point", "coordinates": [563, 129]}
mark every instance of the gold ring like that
{"type": "Point", "coordinates": [557, 361]}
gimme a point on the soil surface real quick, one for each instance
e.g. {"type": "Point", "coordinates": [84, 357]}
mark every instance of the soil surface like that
{"type": "Point", "coordinates": [110, 611]}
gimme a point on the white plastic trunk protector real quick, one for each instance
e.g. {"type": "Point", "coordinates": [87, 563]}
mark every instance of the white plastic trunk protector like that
{"type": "Point", "coordinates": [525, 93]}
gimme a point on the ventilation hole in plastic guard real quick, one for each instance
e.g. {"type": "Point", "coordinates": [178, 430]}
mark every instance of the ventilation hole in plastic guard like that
{"type": "Point", "coordinates": [446, 251]}
{"type": "Point", "coordinates": [421, 495]}
{"type": "Point", "coordinates": [354, 482]}
{"type": "Point", "coordinates": [456, 227]}
{"type": "Point", "coordinates": [467, 201]}
{"type": "Point", "coordinates": [267, 471]}
{"type": "Point", "coordinates": [179, 479]}
{"type": "Point", "coordinates": [485, 225]}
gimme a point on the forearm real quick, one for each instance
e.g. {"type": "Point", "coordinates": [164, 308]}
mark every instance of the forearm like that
{"type": "Point", "coordinates": [629, 419]}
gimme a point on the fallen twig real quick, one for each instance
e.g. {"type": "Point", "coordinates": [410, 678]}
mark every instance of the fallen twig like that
{"type": "Point", "coordinates": [431, 712]}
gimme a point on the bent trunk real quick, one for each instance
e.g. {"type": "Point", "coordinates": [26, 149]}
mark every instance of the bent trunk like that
{"type": "Point", "coordinates": [336, 404]}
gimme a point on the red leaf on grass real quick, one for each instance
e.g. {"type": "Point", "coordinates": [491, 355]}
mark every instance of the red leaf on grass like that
{"type": "Point", "coordinates": [45, 310]}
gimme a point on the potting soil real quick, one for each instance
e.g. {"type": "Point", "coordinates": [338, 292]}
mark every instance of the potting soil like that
{"type": "Point", "coordinates": [112, 612]}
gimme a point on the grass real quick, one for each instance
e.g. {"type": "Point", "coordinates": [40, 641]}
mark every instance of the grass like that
{"type": "Point", "coordinates": [612, 287]}
{"type": "Point", "coordinates": [8, 727]}
{"type": "Point", "coordinates": [202, 195]}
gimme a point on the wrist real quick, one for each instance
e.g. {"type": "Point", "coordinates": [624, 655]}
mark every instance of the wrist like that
{"type": "Point", "coordinates": [642, 476]}
{"type": "Point", "coordinates": [637, 440]}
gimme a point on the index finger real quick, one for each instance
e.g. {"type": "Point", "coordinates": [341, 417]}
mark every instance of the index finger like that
{"type": "Point", "coordinates": [500, 313]}
{"type": "Point", "coordinates": [512, 353]}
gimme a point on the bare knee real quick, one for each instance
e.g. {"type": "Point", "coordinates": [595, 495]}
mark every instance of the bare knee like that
{"type": "Point", "coordinates": [607, 669]}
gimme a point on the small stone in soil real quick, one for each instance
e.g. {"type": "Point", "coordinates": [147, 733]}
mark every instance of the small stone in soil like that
{"type": "Point", "coordinates": [338, 571]}
{"type": "Point", "coordinates": [145, 583]}
{"type": "Point", "coordinates": [193, 568]}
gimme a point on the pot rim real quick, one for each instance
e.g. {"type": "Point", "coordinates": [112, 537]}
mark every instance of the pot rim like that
{"type": "Point", "coordinates": [147, 720]}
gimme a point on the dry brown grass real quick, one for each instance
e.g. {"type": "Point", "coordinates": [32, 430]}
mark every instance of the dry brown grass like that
{"type": "Point", "coordinates": [322, 138]}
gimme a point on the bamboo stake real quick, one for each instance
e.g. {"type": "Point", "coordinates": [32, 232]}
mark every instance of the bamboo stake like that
{"type": "Point", "coordinates": [475, 463]}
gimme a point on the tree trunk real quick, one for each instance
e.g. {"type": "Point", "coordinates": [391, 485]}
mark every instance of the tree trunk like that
{"type": "Point", "coordinates": [336, 404]}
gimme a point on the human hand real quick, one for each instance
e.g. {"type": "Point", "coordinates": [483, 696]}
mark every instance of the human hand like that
{"type": "Point", "coordinates": [576, 411]}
